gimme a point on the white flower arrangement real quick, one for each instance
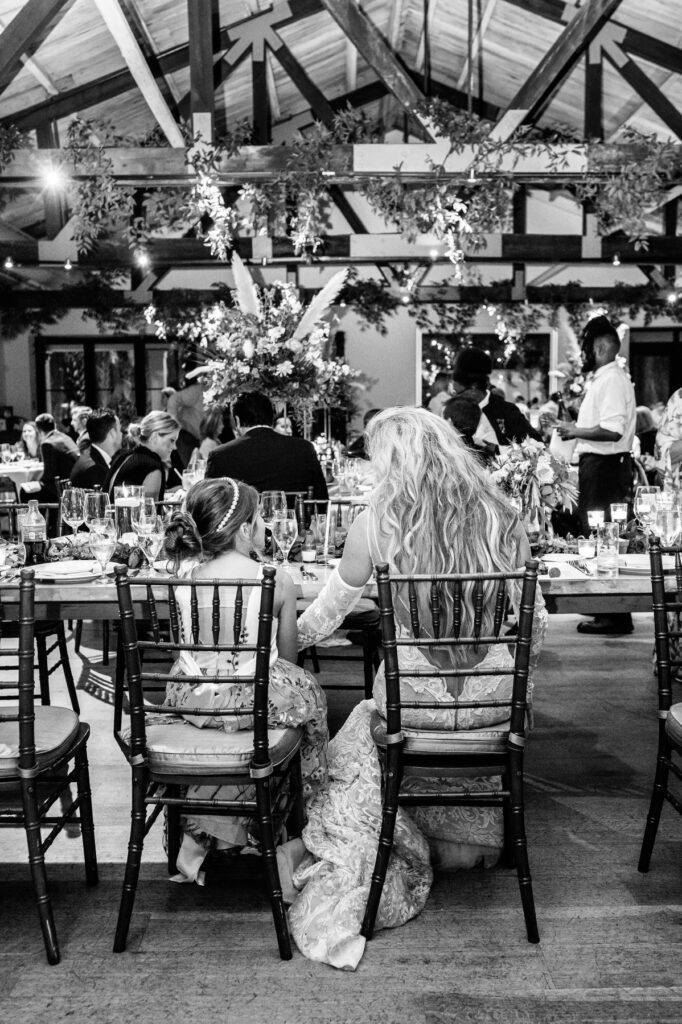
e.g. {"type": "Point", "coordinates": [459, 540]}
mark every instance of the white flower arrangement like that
{"type": "Point", "coordinates": [533, 478]}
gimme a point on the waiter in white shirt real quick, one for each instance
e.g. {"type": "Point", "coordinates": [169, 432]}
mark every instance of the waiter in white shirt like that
{"type": "Point", "coordinates": [605, 430]}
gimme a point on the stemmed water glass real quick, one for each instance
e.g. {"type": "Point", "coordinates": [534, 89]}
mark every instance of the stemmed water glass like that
{"type": "Point", "coordinates": [102, 543]}
{"type": "Point", "coordinates": [96, 506]}
{"type": "Point", "coordinates": [285, 531]}
{"type": "Point", "coordinates": [72, 507]}
{"type": "Point", "coordinates": [271, 505]}
{"type": "Point", "coordinates": [151, 535]}
{"type": "Point", "coordinates": [645, 506]}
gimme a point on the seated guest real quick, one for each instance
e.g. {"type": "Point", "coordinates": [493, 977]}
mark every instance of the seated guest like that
{"type": "Point", "coordinates": [211, 429]}
{"type": "Point", "coordinates": [645, 431]}
{"type": "Point", "coordinates": [357, 448]}
{"type": "Point", "coordinates": [465, 416]}
{"type": "Point", "coordinates": [147, 463]}
{"type": "Point", "coordinates": [79, 417]}
{"type": "Point", "coordinates": [58, 453]}
{"type": "Point", "coordinates": [104, 431]}
{"type": "Point", "coordinates": [215, 537]}
{"type": "Point", "coordinates": [440, 393]}
{"type": "Point", "coordinates": [29, 440]}
{"type": "Point", "coordinates": [434, 509]}
{"type": "Point", "coordinates": [283, 425]}
{"type": "Point", "coordinates": [263, 458]}
{"type": "Point", "coordinates": [502, 422]}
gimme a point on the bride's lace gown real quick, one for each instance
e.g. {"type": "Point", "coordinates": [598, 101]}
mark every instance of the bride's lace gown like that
{"type": "Point", "coordinates": [344, 818]}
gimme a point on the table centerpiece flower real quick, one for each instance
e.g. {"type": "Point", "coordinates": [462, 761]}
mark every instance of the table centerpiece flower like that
{"type": "Point", "coordinates": [267, 341]}
{"type": "Point", "coordinates": [535, 481]}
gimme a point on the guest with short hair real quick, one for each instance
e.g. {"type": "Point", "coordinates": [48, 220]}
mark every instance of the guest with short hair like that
{"type": "Point", "coordinates": [263, 458]}
{"type": "Point", "coordinates": [58, 453]}
{"type": "Point", "coordinates": [104, 431]}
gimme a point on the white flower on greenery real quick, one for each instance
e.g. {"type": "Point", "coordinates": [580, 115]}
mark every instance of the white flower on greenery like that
{"type": "Point", "coordinates": [295, 346]}
{"type": "Point", "coordinates": [284, 369]}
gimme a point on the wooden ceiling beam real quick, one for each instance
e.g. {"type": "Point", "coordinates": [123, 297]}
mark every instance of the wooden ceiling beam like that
{"type": "Point", "coordinates": [387, 248]}
{"type": "Point", "coordinates": [27, 30]}
{"type": "Point", "coordinates": [146, 43]}
{"type": "Point", "coordinates": [164, 165]}
{"type": "Point", "coordinates": [612, 48]}
{"type": "Point", "coordinates": [36, 70]}
{"type": "Point", "coordinates": [201, 88]}
{"type": "Point", "coordinates": [322, 110]}
{"type": "Point", "coordinates": [477, 41]}
{"type": "Point", "coordinates": [124, 38]}
{"type": "Point", "coordinates": [372, 46]}
{"type": "Point", "coordinates": [554, 66]}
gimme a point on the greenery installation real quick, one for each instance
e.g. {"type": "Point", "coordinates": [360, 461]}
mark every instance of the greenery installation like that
{"type": "Point", "coordinates": [297, 203]}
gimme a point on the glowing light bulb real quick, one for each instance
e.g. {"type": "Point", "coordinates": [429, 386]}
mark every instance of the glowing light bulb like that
{"type": "Point", "coordinates": [616, 259]}
{"type": "Point", "coordinates": [9, 263]}
{"type": "Point", "coordinates": [68, 265]}
{"type": "Point", "coordinates": [142, 259]}
{"type": "Point", "coordinates": [53, 178]}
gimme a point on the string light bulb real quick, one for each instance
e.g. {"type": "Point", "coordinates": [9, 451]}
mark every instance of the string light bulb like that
{"type": "Point", "coordinates": [672, 298]}
{"type": "Point", "coordinates": [68, 265]}
{"type": "Point", "coordinates": [142, 259]}
{"type": "Point", "coordinates": [472, 180]}
{"type": "Point", "coordinates": [616, 259]}
{"type": "Point", "coordinates": [9, 263]}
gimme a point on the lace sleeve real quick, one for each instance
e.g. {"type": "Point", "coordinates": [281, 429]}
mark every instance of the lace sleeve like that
{"type": "Point", "coordinates": [336, 599]}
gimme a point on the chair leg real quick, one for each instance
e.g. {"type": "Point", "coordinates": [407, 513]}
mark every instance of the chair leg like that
{"type": "Point", "coordinates": [297, 818]}
{"type": "Point", "coordinates": [657, 798]}
{"type": "Point", "coordinates": [105, 642]}
{"type": "Point", "coordinates": [66, 667]}
{"type": "Point", "coordinates": [36, 860]}
{"type": "Point", "coordinates": [43, 673]}
{"type": "Point", "coordinates": [518, 829]}
{"type": "Point", "coordinates": [78, 635]}
{"type": "Point", "coordinates": [87, 822]}
{"type": "Point", "coordinates": [389, 813]}
{"type": "Point", "coordinates": [267, 838]}
{"type": "Point", "coordinates": [173, 832]}
{"type": "Point", "coordinates": [132, 871]}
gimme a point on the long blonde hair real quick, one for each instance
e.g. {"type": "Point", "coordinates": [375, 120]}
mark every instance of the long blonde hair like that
{"type": "Point", "coordinates": [436, 507]}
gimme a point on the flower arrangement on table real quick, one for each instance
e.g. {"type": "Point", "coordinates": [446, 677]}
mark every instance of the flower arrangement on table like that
{"type": "Point", "coordinates": [533, 479]}
{"type": "Point", "coordinates": [268, 342]}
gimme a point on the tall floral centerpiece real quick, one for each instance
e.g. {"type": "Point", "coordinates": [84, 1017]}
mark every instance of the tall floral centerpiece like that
{"type": "Point", "coordinates": [268, 342]}
{"type": "Point", "coordinates": [536, 482]}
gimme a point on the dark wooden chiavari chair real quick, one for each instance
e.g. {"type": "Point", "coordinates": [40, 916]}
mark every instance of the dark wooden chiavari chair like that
{"type": "Point", "coordinates": [667, 608]}
{"type": "Point", "coordinates": [498, 749]}
{"type": "Point", "coordinates": [50, 634]}
{"type": "Point", "coordinates": [43, 750]}
{"type": "Point", "coordinates": [166, 759]}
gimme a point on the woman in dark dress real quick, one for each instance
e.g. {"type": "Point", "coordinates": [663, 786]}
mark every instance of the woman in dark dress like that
{"type": "Point", "coordinates": [147, 463]}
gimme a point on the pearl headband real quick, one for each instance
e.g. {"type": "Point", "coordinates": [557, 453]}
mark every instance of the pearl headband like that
{"type": "Point", "coordinates": [226, 518]}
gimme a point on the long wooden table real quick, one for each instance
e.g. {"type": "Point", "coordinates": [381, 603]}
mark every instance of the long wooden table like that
{"type": "Point", "coordinates": [587, 595]}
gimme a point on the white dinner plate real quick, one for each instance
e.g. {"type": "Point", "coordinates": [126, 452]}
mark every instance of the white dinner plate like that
{"type": "Point", "coordinates": [639, 565]}
{"type": "Point", "coordinates": [70, 570]}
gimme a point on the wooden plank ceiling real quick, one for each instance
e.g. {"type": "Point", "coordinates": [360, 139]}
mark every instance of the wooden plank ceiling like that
{"type": "Point", "coordinates": [78, 63]}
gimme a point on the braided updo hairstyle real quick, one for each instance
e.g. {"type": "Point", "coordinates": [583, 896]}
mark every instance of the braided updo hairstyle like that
{"type": "Point", "coordinates": [212, 514]}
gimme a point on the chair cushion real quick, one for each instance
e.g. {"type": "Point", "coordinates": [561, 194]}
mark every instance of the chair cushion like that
{"type": "Point", "coordinates": [490, 740]}
{"type": "Point", "coordinates": [55, 731]}
{"type": "Point", "coordinates": [673, 725]}
{"type": "Point", "coordinates": [182, 749]}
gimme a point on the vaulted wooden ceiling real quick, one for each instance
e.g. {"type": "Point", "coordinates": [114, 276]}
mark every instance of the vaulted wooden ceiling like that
{"type": "Point", "coordinates": [146, 64]}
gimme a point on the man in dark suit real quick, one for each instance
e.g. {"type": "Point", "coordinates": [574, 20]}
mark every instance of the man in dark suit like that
{"type": "Point", "coordinates": [58, 453]}
{"type": "Point", "coordinates": [501, 422]}
{"type": "Point", "coordinates": [263, 458]}
{"type": "Point", "coordinates": [104, 431]}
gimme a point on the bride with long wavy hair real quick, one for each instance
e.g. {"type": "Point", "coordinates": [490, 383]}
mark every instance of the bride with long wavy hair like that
{"type": "Point", "coordinates": [433, 509]}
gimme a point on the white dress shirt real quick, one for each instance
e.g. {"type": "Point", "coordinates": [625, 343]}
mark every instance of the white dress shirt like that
{"type": "Point", "coordinates": [609, 403]}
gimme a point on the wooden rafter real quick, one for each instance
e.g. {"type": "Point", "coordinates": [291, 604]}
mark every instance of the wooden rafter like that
{"type": "Point", "coordinates": [477, 41]}
{"type": "Point", "coordinates": [555, 65]}
{"type": "Point", "coordinates": [146, 43]}
{"type": "Point", "coordinates": [351, 66]}
{"type": "Point", "coordinates": [388, 248]}
{"type": "Point", "coordinates": [25, 33]}
{"type": "Point", "coordinates": [425, 34]}
{"type": "Point", "coordinates": [610, 40]}
{"type": "Point", "coordinates": [322, 110]}
{"type": "Point", "coordinates": [124, 38]}
{"type": "Point", "coordinates": [372, 46]}
{"type": "Point", "coordinates": [36, 70]}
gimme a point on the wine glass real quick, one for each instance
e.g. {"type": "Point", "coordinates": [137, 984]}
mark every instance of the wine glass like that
{"type": "Point", "coordinates": [271, 504]}
{"type": "Point", "coordinates": [645, 505]}
{"type": "Point", "coordinates": [145, 510]}
{"type": "Point", "coordinates": [96, 505]}
{"type": "Point", "coordinates": [102, 544]}
{"type": "Point", "coordinates": [285, 531]}
{"type": "Point", "coordinates": [151, 534]}
{"type": "Point", "coordinates": [72, 505]}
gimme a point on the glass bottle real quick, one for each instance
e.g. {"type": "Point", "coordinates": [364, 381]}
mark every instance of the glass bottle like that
{"type": "Point", "coordinates": [34, 535]}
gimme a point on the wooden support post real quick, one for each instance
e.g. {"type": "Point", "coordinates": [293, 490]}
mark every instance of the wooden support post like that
{"type": "Point", "coordinates": [594, 110]}
{"type": "Point", "coordinates": [54, 200]}
{"type": "Point", "coordinates": [262, 118]}
{"type": "Point", "coordinates": [202, 100]}
{"type": "Point", "coordinates": [519, 225]}
{"type": "Point", "coordinates": [670, 216]}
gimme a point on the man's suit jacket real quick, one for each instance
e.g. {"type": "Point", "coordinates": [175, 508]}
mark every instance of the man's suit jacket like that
{"type": "Point", "coordinates": [90, 469]}
{"type": "Point", "coordinates": [58, 453]}
{"type": "Point", "coordinates": [269, 462]}
{"type": "Point", "coordinates": [508, 421]}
